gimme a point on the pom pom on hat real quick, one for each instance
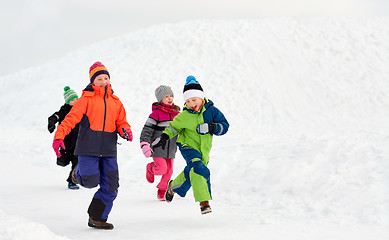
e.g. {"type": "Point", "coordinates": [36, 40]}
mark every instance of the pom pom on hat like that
{"type": "Point", "coordinates": [96, 69]}
{"type": "Point", "coordinates": [69, 94]}
{"type": "Point", "coordinates": [191, 80]}
{"type": "Point", "coordinates": [192, 88]}
{"type": "Point", "coordinates": [162, 91]}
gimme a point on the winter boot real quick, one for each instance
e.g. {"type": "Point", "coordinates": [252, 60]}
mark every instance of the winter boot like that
{"type": "Point", "coordinates": [100, 224]}
{"type": "Point", "coordinates": [74, 176]}
{"type": "Point", "coordinates": [73, 186]}
{"type": "Point", "coordinates": [169, 194]}
{"type": "Point", "coordinates": [149, 173]}
{"type": "Point", "coordinates": [205, 208]}
{"type": "Point", "coordinates": [161, 195]}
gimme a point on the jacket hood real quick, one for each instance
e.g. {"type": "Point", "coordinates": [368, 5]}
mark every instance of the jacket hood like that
{"type": "Point", "coordinates": [91, 90]}
{"type": "Point", "coordinates": [165, 107]}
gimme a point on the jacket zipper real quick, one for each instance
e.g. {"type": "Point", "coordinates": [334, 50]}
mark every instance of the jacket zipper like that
{"type": "Point", "coordinates": [105, 116]}
{"type": "Point", "coordinates": [105, 107]}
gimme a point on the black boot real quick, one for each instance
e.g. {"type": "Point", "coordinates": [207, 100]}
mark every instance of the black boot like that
{"type": "Point", "coordinates": [74, 177]}
{"type": "Point", "coordinates": [205, 208]}
{"type": "Point", "coordinates": [169, 194]}
{"type": "Point", "coordinates": [100, 224]}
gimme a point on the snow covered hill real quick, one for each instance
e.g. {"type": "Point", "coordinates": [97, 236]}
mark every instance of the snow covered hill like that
{"type": "Point", "coordinates": [306, 155]}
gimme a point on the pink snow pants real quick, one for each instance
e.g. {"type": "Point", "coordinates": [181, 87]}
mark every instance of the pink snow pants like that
{"type": "Point", "coordinates": [164, 167]}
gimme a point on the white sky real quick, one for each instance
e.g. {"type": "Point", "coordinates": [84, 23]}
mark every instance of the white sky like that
{"type": "Point", "coordinates": [35, 31]}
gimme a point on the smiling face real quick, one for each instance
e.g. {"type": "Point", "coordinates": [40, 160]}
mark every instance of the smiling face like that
{"type": "Point", "coordinates": [102, 80]}
{"type": "Point", "coordinates": [194, 103]}
{"type": "Point", "coordinates": [168, 100]}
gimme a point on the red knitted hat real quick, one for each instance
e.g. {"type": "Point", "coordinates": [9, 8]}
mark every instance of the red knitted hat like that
{"type": "Point", "coordinates": [96, 69]}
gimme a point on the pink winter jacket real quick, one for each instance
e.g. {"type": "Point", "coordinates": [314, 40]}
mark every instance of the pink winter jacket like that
{"type": "Point", "coordinates": [157, 122]}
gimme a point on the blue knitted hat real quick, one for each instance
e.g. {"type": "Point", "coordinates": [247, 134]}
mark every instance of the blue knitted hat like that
{"type": "Point", "coordinates": [192, 88]}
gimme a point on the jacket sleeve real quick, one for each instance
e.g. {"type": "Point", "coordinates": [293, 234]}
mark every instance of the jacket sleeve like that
{"type": "Point", "coordinates": [62, 113]}
{"type": "Point", "coordinates": [58, 116]}
{"type": "Point", "coordinates": [72, 118]}
{"type": "Point", "coordinates": [121, 121]}
{"type": "Point", "coordinates": [148, 130]}
{"type": "Point", "coordinates": [175, 126]}
{"type": "Point", "coordinates": [222, 124]}
{"type": "Point", "coordinates": [54, 118]}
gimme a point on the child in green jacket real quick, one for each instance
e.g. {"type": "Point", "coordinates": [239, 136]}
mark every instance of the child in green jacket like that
{"type": "Point", "coordinates": [195, 126]}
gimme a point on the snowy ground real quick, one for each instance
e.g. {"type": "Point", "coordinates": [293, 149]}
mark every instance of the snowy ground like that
{"type": "Point", "coordinates": [306, 157]}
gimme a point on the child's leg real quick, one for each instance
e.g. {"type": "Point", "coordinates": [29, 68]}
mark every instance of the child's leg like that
{"type": "Point", "coordinates": [102, 201]}
{"type": "Point", "coordinates": [159, 166]}
{"type": "Point", "coordinates": [74, 160]}
{"type": "Point", "coordinates": [195, 174]}
{"type": "Point", "coordinates": [181, 184]}
{"type": "Point", "coordinates": [168, 162]}
{"type": "Point", "coordinates": [88, 171]}
{"type": "Point", "coordinates": [200, 179]}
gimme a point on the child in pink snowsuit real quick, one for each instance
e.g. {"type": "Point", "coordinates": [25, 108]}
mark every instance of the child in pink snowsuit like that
{"type": "Point", "coordinates": [163, 112]}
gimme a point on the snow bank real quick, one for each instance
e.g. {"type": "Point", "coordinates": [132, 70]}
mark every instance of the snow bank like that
{"type": "Point", "coordinates": [17, 228]}
{"type": "Point", "coordinates": [306, 99]}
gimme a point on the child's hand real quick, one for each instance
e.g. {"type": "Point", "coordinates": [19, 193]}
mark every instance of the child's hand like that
{"type": "Point", "coordinates": [146, 149]}
{"type": "Point", "coordinates": [160, 141]}
{"type": "Point", "coordinates": [127, 134]}
{"type": "Point", "coordinates": [206, 128]}
{"type": "Point", "coordinates": [51, 126]}
{"type": "Point", "coordinates": [57, 143]}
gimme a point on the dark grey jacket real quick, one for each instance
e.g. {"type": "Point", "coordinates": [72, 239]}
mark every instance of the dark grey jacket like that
{"type": "Point", "coordinates": [157, 122]}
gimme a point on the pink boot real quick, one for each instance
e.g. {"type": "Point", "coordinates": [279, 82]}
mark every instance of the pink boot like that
{"type": "Point", "coordinates": [161, 194]}
{"type": "Point", "coordinates": [149, 173]}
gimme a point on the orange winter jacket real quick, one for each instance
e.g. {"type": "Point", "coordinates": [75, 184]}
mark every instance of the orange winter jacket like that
{"type": "Point", "coordinates": [102, 116]}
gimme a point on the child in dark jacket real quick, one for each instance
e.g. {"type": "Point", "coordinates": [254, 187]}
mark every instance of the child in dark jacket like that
{"type": "Point", "coordinates": [67, 154]}
{"type": "Point", "coordinates": [195, 126]}
{"type": "Point", "coordinates": [163, 111]}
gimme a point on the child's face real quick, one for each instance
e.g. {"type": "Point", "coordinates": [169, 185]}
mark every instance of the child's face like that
{"type": "Point", "coordinates": [102, 80]}
{"type": "Point", "coordinates": [194, 103]}
{"type": "Point", "coordinates": [73, 101]}
{"type": "Point", "coordinates": [168, 100]}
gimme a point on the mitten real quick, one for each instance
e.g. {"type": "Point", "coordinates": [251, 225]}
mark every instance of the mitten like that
{"type": "Point", "coordinates": [51, 124]}
{"type": "Point", "coordinates": [146, 149]}
{"type": "Point", "coordinates": [127, 134]}
{"type": "Point", "coordinates": [160, 141]}
{"type": "Point", "coordinates": [206, 128]}
{"type": "Point", "coordinates": [56, 144]}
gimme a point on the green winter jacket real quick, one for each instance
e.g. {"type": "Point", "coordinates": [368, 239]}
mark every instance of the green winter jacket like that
{"type": "Point", "coordinates": [185, 123]}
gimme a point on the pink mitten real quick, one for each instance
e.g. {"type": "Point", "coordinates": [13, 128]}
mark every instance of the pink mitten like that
{"type": "Point", "coordinates": [126, 134]}
{"type": "Point", "coordinates": [129, 133]}
{"type": "Point", "coordinates": [56, 144]}
{"type": "Point", "coordinates": [146, 149]}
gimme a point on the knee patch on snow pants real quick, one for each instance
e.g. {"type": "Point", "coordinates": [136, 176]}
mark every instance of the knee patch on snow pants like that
{"type": "Point", "coordinates": [96, 209]}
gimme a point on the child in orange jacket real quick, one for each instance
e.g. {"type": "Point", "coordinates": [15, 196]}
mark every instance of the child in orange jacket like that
{"type": "Point", "coordinates": [102, 116]}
